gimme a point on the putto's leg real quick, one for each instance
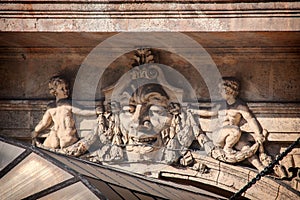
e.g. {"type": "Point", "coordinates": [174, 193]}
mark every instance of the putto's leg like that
{"type": "Point", "coordinates": [52, 140]}
{"type": "Point", "coordinates": [227, 137]}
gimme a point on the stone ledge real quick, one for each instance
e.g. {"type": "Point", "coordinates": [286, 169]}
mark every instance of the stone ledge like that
{"type": "Point", "coordinates": [265, 52]}
{"type": "Point", "coordinates": [159, 7]}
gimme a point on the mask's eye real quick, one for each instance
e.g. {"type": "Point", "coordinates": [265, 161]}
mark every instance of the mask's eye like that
{"type": "Point", "coordinates": [158, 110]}
{"type": "Point", "coordinates": [128, 109]}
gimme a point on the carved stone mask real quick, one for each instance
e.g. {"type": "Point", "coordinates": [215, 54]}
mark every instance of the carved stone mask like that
{"type": "Point", "coordinates": [146, 115]}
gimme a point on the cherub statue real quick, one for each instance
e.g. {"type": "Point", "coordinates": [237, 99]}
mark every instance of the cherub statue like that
{"type": "Point", "coordinates": [229, 146]}
{"type": "Point", "coordinates": [59, 118]}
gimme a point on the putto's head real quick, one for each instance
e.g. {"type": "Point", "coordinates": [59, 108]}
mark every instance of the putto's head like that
{"type": "Point", "coordinates": [229, 86]}
{"type": "Point", "coordinates": [59, 87]}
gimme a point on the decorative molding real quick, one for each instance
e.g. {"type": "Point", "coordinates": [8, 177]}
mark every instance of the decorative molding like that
{"type": "Point", "coordinates": [267, 51]}
{"type": "Point", "coordinates": [116, 16]}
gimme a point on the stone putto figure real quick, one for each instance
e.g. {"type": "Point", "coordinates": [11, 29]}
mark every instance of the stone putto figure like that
{"type": "Point", "coordinates": [59, 118]}
{"type": "Point", "coordinates": [228, 143]}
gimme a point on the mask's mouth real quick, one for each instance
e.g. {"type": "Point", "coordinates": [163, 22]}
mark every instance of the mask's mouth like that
{"type": "Point", "coordinates": [142, 133]}
{"type": "Point", "coordinates": [147, 140]}
{"type": "Point", "coordinates": [144, 144]}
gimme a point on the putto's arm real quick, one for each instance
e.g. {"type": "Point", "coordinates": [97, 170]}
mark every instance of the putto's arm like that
{"type": "Point", "coordinates": [203, 112]}
{"type": "Point", "coordinates": [253, 124]}
{"type": "Point", "coordinates": [44, 123]}
{"type": "Point", "coordinates": [83, 112]}
{"type": "Point", "coordinates": [79, 110]}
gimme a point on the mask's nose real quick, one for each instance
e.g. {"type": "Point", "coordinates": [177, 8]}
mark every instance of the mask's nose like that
{"type": "Point", "coordinates": [137, 113]}
{"type": "Point", "coordinates": [140, 118]}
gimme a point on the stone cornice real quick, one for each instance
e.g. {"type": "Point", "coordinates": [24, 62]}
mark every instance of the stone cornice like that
{"type": "Point", "coordinates": [116, 16]}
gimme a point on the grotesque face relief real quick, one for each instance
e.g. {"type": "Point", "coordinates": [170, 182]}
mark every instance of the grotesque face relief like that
{"type": "Point", "coordinates": [144, 118]}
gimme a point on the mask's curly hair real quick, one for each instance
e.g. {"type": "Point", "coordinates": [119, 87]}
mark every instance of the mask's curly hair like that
{"type": "Point", "coordinates": [231, 85]}
{"type": "Point", "coordinates": [54, 82]}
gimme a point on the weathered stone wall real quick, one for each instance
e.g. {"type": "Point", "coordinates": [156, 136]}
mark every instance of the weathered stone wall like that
{"type": "Point", "coordinates": [266, 63]}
